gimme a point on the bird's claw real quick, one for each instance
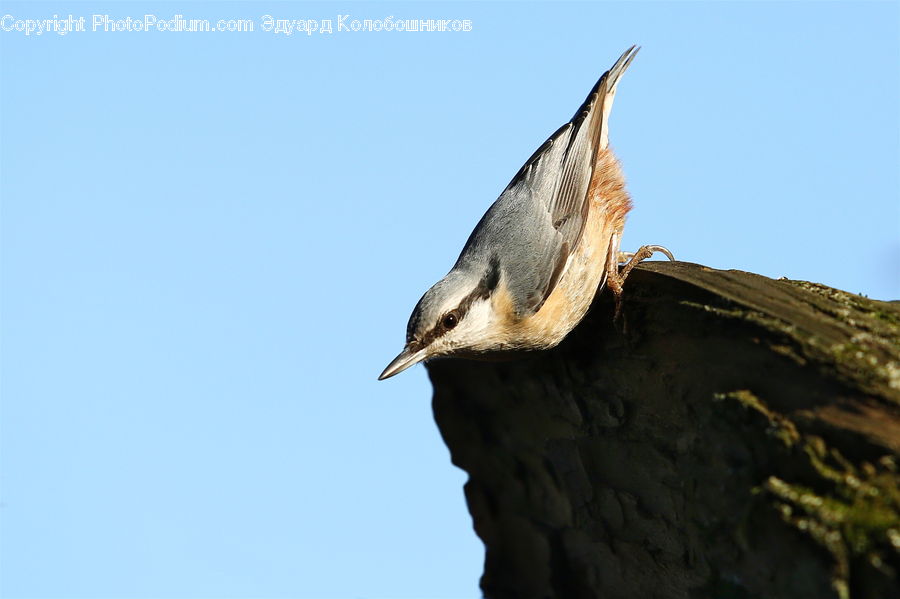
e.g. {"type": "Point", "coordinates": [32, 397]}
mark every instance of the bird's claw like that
{"type": "Point", "coordinates": [624, 257]}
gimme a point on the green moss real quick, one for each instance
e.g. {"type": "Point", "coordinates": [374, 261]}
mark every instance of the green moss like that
{"type": "Point", "coordinates": [862, 343]}
{"type": "Point", "coordinates": [778, 426]}
{"type": "Point", "coordinates": [854, 513]}
{"type": "Point", "coordinates": [843, 302]}
{"type": "Point", "coordinates": [747, 315]}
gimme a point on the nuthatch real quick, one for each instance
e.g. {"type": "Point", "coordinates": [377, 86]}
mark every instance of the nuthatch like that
{"type": "Point", "coordinates": [531, 267]}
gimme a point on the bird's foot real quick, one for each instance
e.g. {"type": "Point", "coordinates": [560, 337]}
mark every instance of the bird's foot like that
{"type": "Point", "coordinates": [616, 277]}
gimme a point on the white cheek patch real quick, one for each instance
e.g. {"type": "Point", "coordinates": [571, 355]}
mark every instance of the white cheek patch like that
{"type": "Point", "coordinates": [474, 328]}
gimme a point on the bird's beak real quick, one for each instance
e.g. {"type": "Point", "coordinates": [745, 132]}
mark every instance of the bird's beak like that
{"type": "Point", "coordinates": [408, 357]}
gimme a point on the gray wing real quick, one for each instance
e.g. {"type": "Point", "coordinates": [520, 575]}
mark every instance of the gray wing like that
{"type": "Point", "coordinates": [540, 216]}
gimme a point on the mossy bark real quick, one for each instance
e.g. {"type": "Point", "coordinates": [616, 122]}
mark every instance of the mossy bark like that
{"type": "Point", "coordinates": [732, 436]}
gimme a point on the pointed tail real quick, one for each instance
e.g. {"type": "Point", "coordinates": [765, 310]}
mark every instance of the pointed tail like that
{"type": "Point", "coordinates": [609, 81]}
{"type": "Point", "coordinates": [592, 119]}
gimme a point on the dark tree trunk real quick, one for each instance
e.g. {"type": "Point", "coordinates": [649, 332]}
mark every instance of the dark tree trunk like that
{"type": "Point", "coordinates": [733, 436]}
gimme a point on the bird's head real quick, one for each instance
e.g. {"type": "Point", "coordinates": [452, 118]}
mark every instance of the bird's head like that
{"type": "Point", "coordinates": [454, 316]}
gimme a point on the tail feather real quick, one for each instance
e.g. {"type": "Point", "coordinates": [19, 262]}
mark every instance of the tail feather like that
{"type": "Point", "coordinates": [591, 121]}
{"type": "Point", "coordinates": [609, 81]}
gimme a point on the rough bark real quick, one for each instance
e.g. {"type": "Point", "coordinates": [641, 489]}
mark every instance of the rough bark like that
{"type": "Point", "coordinates": [733, 436]}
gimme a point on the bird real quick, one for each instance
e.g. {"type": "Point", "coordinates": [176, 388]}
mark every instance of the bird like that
{"type": "Point", "coordinates": [534, 262]}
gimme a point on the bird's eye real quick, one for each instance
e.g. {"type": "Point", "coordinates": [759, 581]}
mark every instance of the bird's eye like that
{"type": "Point", "coordinates": [450, 320]}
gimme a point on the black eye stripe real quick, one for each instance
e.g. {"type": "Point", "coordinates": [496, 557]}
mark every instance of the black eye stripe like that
{"type": "Point", "coordinates": [483, 290]}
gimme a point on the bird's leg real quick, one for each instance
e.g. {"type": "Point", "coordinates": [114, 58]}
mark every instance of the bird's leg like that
{"type": "Point", "coordinates": [613, 281]}
{"type": "Point", "coordinates": [616, 278]}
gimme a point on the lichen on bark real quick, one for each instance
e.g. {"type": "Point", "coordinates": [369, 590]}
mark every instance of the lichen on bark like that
{"type": "Point", "coordinates": [853, 512]}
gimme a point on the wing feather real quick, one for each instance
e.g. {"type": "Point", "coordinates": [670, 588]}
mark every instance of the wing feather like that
{"type": "Point", "coordinates": [549, 196]}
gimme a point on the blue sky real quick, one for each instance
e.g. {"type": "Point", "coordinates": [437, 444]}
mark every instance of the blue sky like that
{"type": "Point", "coordinates": [211, 244]}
